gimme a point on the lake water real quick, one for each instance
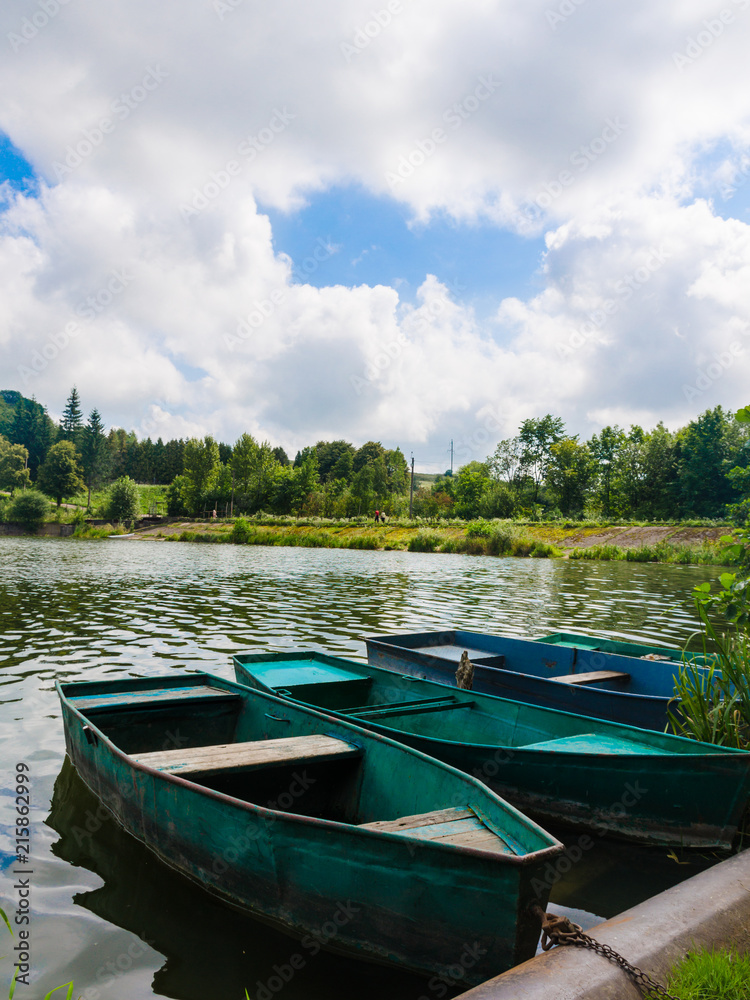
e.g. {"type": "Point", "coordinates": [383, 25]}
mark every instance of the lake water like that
{"type": "Point", "coordinates": [120, 924]}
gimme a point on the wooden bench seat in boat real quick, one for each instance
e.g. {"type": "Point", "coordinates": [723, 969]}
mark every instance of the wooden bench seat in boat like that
{"type": "Point", "coordinates": [249, 756]}
{"type": "Point", "coordinates": [150, 696]}
{"type": "Point", "coordinates": [460, 827]}
{"type": "Point", "coordinates": [593, 677]}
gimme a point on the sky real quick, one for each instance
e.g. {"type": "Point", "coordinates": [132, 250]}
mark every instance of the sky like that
{"type": "Point", "coordinates": [407, 221]}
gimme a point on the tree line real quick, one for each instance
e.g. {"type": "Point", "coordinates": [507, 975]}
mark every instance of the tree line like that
{"type": "Point", "coordinates": [701, 470]}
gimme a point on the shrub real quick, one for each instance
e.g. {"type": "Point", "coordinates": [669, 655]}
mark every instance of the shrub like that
{"type": "Point", "coordinates": [240, 532]}
{"type": "Point", "coordinates": [425, 541]}
{"type": "Point", "coordinates": [123, 500]}
{"type": "Point", "coordinates": [28, 508]}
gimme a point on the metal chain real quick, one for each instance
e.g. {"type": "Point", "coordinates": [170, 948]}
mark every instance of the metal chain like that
{"type": "Point", "coordinates": [558, 930]}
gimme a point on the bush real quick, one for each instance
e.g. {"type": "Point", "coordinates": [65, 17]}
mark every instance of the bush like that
{"type": "Point", "coordinates": [123, 500]}
{"type": "Point", "coordinates": [425, 541]}
{"type": "Point", "coordinates": [240, 532]}
{"type": "Point", "coordinates": [28, 508]}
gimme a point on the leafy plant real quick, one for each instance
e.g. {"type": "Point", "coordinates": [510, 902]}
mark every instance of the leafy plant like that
{"type": "Point", "coordinates": [715, 707]}
{"type": "Point", "coordinates": [123, 502]}
{"type": "Point", "coordinates": [28, 508]}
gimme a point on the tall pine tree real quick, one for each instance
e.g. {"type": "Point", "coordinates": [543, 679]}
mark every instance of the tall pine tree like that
{"type": "Point", "coordinates": [72, 418]}
{"type": "Point", "coordinates": [94, 452]}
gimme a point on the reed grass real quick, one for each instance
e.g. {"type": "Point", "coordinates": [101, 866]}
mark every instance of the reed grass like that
{"type": "Point", "coordinates": [715, 707]}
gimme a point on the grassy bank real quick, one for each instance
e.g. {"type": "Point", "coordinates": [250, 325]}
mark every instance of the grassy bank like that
{"type": "Point", "coordinates": [640, 543]}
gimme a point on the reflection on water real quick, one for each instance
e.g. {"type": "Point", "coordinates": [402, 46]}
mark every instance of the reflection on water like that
{"type": "Point", "coordinates": [93, 609]}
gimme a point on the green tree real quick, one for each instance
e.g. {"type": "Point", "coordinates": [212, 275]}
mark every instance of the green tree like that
{"type": "Point", "coordinates": [60, 474]}
{"type": "Point", "coordinates": [703, 459]}
{"type": "Point", "coordinates": [72, 418]}
{"type": "Point", "coordinates": [28, 508]}
{"type": "Point", "coordinates": [571, 471]}
{"type": "Point", "coordinates": [254, 467]}
{"type": "Point", "coordinates": [368, 454]}
{"type": "Point", "coordinates": [330, 454]}
{"type": "Point", "coordinates": [201, 467]}
{"type": "Point", "coordinates": [506, 464]}
{"type": "Point", "coordinates": [14, 472]}
{"type": "Point", "coordinates": [537, 435]}
{"type": "Point", "coordinates": [123, 500]}
{"type": "Point", "coordinates": [397, 471]}
{"type": "Point", "coordinates": [471, 486]}
{"type": "Point", "coordinates": [605, 449]}
{"type": "Point", "coordinates": [95, 456]}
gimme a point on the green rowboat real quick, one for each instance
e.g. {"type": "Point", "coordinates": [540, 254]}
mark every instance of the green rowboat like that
{"type": "Point", "coordinates": [305, 820]}
{"type": "Point", "coordinates": [556, 766]}
{"type": "Point", "coordinates": [596, 644]}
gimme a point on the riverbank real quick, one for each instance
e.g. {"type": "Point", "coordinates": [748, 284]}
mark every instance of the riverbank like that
{"type": "Point", "coordinates": [686, 545]}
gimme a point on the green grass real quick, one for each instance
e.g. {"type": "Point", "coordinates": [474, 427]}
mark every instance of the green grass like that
{"type": "Point", "coordinates": [148, 495]}
{"type": "Point", "coordinates": [706, 553]}
{"type": "Point", "coordinates": [710, 975]}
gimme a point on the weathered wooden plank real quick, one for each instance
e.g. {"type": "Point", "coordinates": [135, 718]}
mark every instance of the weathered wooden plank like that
{"type": "Point", "coordinates": [246, 756]}
{"type": "Point", "coordinates": [140, 699]}
{"type": "Point", "coordinates": [592, 677]}
{"type": "Point", "coordinates": [459, 827]}
{"type": "Point", "coordinates": [420, 819]}
{"type": "Point", "coordinates": [480, 840]}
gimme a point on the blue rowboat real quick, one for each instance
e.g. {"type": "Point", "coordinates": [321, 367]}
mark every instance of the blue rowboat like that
{"type": "Point", "coordinates": [626, 782]}
{"type": "Point", "coordinates": [635, 692]}
{"type": "Point", "coordinates": [298, 817]}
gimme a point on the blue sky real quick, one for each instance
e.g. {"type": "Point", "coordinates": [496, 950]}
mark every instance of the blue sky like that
{"type": "Point", "coordinates": [378, 243]}
{"type": "Point", "coordinates": [14, 168]}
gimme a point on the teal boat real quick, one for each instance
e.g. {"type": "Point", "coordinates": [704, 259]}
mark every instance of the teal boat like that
{"type": "Point", "coordinates": [596, 644]}
{"type": "Point", "coordinates": [305, 820]}
{"type": "Point", "coordinates": [556, 766]}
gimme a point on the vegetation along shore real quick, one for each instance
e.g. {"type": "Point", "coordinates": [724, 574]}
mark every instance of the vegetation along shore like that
{"type": "Point", "coordinates": [637, 495]}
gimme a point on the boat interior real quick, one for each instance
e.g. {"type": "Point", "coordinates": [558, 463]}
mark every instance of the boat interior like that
{"type": "Point", "coordinates": [238, 744]}
{"type": "Point", "coordinates": [565, 664]}
{"type": "Point", "coordinates": [407, 704]}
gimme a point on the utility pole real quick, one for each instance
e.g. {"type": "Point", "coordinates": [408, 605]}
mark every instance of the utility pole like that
{"type": "Point", "coordinates": [411, 486]}
{"type": "Point", "coordinates": [451, 456]}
